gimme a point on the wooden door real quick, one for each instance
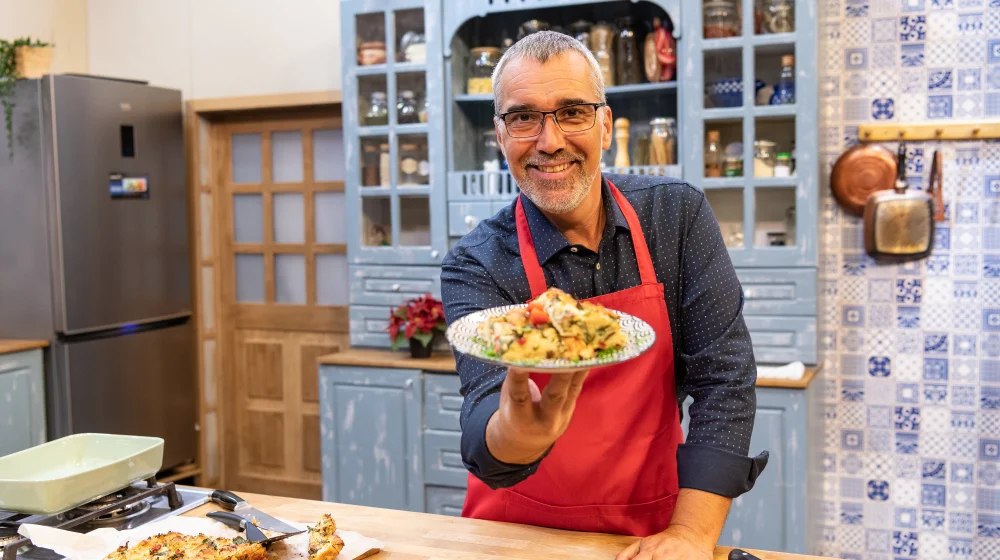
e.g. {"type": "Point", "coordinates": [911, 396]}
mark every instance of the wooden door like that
{"type": "Point", "coordinates": [283, 293]}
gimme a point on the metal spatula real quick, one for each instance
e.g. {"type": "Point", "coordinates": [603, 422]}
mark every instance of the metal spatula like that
{"type": "Point", "coordinates": [254, 534]}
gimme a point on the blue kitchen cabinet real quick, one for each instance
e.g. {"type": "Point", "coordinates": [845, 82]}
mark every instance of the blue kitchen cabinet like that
{"type": "Point", "coordinates": [22, 401]}
{"type": "Point", "coordinates": [371, 437]}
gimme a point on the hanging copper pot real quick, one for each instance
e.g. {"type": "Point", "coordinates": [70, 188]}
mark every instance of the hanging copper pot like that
{"type": "Point", "coordinates": [859, 172]}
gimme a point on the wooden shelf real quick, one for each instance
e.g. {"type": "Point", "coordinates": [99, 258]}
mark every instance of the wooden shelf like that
{"type": "Point", "coordinates": [802, 383]}
{"type": "Point", "coordinates": [388, 359]}
{"type": "Point", "coordinates": [9, 346]}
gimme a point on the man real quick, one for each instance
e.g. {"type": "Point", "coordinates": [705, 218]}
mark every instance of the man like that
{"type": "Point", "coordinates": [602, 450]}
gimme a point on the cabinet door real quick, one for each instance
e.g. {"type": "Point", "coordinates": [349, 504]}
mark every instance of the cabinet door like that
{"type": "Point", "coordinates": [780, 340]}
{"type": "Point", "coordinates": [772, 516]}
{"type": "Point", "coordinates": [395, 160]}
{"type": "Point", "coordinates": [371, 434]}
{"type": "Point", "coordinates": [22, 402]}
{"type": "Point", "coordinates": [442, 500]}
{"type": "Point", "coordinates": [391, 286]}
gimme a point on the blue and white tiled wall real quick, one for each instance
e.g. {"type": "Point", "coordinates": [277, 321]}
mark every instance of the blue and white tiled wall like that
{"type": "Point", "coordinates": [912, 392]}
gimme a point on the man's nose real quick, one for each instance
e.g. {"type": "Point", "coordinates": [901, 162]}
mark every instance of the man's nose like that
{"type": "Point", "coordinates": [550, 139]}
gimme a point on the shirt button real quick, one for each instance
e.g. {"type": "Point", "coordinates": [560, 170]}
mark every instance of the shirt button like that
{"type": "Point", "coordinates": [573, 249]}
{"type": "Point", "coordinates": [598, 266]}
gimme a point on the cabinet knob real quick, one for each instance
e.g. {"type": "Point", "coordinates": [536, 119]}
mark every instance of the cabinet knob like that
{"type": "Point", "coordinates": [396, 287]}
{"type": "Point", "coordinates": [434, 254]}
{"type": "Point", "coordinates": [409, 383]}
{"type": "Point", "coordinates": [470, 221]}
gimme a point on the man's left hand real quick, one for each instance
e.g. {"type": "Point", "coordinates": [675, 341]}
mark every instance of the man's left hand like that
{"type": "Point", "coordinates": [675, 543]}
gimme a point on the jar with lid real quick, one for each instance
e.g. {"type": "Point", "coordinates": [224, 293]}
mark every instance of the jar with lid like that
{"type": "Point", "coordinates": [601, 39]}
{"type": "Point", "coordinates": [406, 108]}
{"type": "Point", "coordinates": [763, 158]}
{"type": "Point", "coordinates": [413, 47]}
{"type": "Point", "coordinates": [783, 165]}
{"type": "Point", "coordinates": [713, 155]}
{"type": "Point", "coordinates": [480, 72]}
{"type": "Point", "coordinates": [733, 167]}
{"type": "Point", "coordinates": [378, 109]}
{"type": "Point", "coordinates": [627, 64]}
{"type": "Point", "coordinates": [411, 155]}
{"type": "Point", "coordinates": [721, 19]}
{"type": "Point", "coordinates": [369, 165]}
{"type": "Point", "coordinates": [779, 16]}
{"type": "Point", "coordinates": [372, 52]}
{"type": "Point", "coordinates": [662, 141]}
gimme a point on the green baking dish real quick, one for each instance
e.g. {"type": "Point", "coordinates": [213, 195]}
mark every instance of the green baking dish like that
{"type": "Point", "coordinates": [68, 472]}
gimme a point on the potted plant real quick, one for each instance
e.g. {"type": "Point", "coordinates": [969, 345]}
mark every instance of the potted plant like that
{"type": "Point", "coordinates": [420, 321]}
{"type": "Point", "coordinates": [20, 58]}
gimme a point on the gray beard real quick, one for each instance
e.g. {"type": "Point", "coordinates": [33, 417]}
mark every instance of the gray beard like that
{"type": "Point", "coordinates": [539, 194]}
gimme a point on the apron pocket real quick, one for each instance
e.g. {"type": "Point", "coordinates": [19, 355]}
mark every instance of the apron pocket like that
{"type": "Point", "coordinates": [627, 519]}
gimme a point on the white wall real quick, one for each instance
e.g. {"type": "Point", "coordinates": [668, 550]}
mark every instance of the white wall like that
{"type": "Point", "coordinates": [218, 48]}
{"type": "Point", "coordinates": [60, 22]}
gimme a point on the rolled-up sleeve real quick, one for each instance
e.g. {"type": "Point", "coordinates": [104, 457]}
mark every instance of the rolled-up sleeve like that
{"type": "Point", "coordinates": [717, 359]}
{"type": "Point", "coordinates": [466, 287]}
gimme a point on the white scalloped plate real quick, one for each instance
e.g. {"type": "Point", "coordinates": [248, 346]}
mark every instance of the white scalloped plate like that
{"type": "Point", "coordinates": [463, 337]}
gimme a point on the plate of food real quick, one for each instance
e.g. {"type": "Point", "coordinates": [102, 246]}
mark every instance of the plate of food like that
{"type": "Point", "coordinates": [554, 333]}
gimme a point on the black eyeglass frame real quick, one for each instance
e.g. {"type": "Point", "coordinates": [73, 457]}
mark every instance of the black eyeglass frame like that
{"type": "Point", "coordinates": [596, 106]}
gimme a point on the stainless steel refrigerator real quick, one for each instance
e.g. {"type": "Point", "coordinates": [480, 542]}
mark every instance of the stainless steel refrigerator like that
{"type": "Point", "coordinates": [95, 255]}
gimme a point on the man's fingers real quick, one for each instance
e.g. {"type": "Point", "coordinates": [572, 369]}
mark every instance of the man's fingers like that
{"type": "Point", "coordinates": [575, 386]}
{"type": "Point", "coordinates": [629, 552]}
{"type": "Point", "coordinates": [518, 387]}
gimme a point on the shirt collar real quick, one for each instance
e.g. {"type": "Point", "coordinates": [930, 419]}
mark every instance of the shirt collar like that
{"type": "Point", "coordinates": [549, 241]}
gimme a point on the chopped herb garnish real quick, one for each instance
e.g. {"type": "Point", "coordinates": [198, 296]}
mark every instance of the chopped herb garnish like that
{"type": "Point", "coordinates": [240, 540]}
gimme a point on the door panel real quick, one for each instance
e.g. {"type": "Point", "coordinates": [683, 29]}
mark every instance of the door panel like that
{"type": "Point", "coordinates": [15, 411]}
{"type": "Point", "coordinates": [123, 259]}
{"type": "Point", "coordinates": [137, 384]}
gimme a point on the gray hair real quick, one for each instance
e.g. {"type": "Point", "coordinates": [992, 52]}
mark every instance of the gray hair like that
{"type": "Point", "coordinates": [542, 46]}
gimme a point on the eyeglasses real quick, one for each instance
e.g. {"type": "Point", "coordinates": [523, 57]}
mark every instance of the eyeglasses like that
{"type": "Point", "coordinates": [571, 118]}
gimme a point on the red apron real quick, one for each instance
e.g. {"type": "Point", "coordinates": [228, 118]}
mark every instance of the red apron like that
{"type": "Point", "coordinates": [614, 470]}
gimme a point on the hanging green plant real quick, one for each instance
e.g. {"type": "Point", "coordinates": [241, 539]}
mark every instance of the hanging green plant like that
{"type": "Point", "coordinates": [8, 79]}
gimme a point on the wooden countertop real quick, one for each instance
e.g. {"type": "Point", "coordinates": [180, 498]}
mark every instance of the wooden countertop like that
{"type": "Point", "coordinates": [445, 362]}
{"type": "Point", "coordinates": [423, 536]}
{"type": "Point", "coordinates": [8, 346]}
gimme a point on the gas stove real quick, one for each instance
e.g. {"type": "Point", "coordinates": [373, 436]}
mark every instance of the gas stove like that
{"type": "Point", "coordinates": [129, 507]}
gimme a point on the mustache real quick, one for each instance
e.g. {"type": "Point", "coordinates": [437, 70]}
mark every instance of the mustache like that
{"type": "Point", "coordinates": [558, 158]}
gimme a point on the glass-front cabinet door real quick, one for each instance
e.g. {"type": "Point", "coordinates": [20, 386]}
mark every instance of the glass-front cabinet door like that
{"type": "Point", "coordinates": [395, 133]}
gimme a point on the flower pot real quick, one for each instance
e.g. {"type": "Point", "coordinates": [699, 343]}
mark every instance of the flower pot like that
{"type": "Point", "coordinates": [32, 62]}
{"type": "Point", "coordinates": [418, 350]}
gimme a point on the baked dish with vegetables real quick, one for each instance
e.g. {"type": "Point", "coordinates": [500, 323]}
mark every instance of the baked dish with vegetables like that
{"type": "Point", "coordinates": [178, 546]}
{"type": "Point", "coordinates": [554, 326]}
{"type": "Point", "coordinates": [323, 543]}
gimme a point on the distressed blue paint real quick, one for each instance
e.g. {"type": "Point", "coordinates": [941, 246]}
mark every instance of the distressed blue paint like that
{"type": "Point", "coordinates": [22, 401]}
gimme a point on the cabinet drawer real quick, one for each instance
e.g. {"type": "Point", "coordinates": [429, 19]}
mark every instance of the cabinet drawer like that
{"type": "Point", "coordinates": [393, 285]}
{"type": "Point", "coordinates": [774, 291]}
{"type": "Point", "coordinates": [441, 500]}
{"type": "Point", "coordinates": [463, 217]}
{"type": "Point", "coordinates": [443, 459]}
{"type": "Point", "coordinates": [369, 326]}
{"type": "Point", "coordinates": [780, 340]}
{"type": "Point", "coordinates": [442, 402]}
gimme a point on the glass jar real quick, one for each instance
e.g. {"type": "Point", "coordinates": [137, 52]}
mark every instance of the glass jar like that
{"type": "Point", "coordinates": [531, 26]}
{"type": "Point", "coordinates": [713, 155]}
{"type": "Point", "coordinates": [779, 16]}
{"type": "Point", "coordinates": [721, 19]}
{"type": "Point", "coordinates": [409, 163]}
{"type": "Point", "coordinates": [763, 158]}
{"type": "Point", "coordinates": [372, 52]}
{"type": "Point", "coordinates": [406, 108]}
{"type": "Point", "coordinates": [369, 165]}
{"type": "Point", "coordinates": [378, 109]}
{"type": "Point", "coordinates": [581, 32]}
{"type": "Point", "coordinates": [413, 47]}
{"type": "Point", "coordinates": [481, 65]}
{"type": "Point", "coordinates": [424, 109]}
{"type": "Point", "coordinates": [733, 167]}
{"type": "Point", "coordinates": [627, 58]}
{"type": "Point", "coordinates": [601, 38]}
{"type": "Point", "coordinates": [662, 141]}
{"type": "Point", "coordinates": [783, 165]}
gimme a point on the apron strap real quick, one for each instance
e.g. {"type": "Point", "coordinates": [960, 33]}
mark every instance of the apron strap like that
{"type": "Point", "coordinates": [529, 257]}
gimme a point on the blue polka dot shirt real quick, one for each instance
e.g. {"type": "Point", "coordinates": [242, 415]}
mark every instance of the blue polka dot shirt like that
{"type": "Point", "coordinates": [713, 356]}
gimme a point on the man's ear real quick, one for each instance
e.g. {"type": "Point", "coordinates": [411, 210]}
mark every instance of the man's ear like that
{"type": "Point", "coordinates": [496, 126]}
{"type": "Point", "coordinates": [607, 128]}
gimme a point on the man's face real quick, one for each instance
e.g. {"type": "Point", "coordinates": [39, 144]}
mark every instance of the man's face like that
{"type": "Point", "coordinates": [555, 169]}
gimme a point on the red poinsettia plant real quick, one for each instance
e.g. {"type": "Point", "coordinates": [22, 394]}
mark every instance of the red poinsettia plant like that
{"type": "Point", "coordinates": [419, 318]}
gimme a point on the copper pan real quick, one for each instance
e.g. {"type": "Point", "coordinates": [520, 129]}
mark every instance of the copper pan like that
{"type": "Point", "coordinates": [859, 172]}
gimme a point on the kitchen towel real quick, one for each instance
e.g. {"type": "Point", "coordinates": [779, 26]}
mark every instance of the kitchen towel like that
{"type": "Point", "coordinates": [98, 543]}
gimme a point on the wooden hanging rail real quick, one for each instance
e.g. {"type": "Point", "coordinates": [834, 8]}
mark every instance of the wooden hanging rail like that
{"type": "Point", "coordinates": [928, 131]}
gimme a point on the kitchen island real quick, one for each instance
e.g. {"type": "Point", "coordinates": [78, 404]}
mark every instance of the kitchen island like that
{"type": "Point", "coordinates": [423, 536]}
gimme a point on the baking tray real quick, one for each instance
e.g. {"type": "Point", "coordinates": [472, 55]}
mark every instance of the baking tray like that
{"type": "Point", "coordinates": [68, 472]}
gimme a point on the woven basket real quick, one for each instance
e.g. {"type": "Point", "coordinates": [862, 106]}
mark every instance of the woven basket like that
{"type": "Point", "coordinates": [32, 62]}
